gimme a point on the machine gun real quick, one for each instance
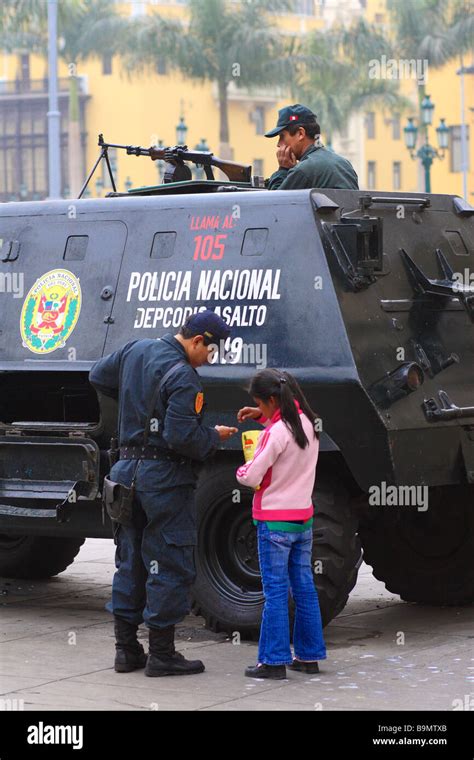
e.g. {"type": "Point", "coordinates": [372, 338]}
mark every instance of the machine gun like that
{"type": "Point", "coordinates": [176, 170]}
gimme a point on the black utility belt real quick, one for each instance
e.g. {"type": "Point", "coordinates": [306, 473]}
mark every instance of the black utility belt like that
{"type": "Point", "coordinates": [151, 452]}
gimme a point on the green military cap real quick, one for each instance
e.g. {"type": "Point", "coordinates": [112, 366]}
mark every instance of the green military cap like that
{"type": "Point", "coordinates": [296, 114]}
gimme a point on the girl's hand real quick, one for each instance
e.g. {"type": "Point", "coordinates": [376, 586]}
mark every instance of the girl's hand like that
{"type": "Point", "coordinates": [248, 413]}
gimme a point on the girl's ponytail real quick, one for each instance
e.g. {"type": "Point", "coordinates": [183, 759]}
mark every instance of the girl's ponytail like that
{"type": "Point", "coordinates": [302, 401]}
{"type": "Point", "coordinates": [282, 385]}
{"type": "Point", "coordinates": [289, 413]}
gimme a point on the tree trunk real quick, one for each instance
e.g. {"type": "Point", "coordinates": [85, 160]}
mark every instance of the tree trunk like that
{"type": "Point", "coordinates": [225, 151]}
{"type": "Point", "coordinates": [75, 177]}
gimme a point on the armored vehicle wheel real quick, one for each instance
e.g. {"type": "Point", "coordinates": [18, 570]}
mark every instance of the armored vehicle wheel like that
{"type": "Point", "coordinates": [228, 591]}
{"type": "Point", "coordinates": [425, 557]}
{"type": "Point", "coordinates": [36, 556]}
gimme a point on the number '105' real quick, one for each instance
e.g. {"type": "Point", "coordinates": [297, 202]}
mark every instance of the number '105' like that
{"type": "Point", "coordinates": [209, 247]}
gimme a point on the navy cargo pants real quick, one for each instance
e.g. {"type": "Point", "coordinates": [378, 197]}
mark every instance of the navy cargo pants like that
{"type": "Point", "coordinates": [155, 558]}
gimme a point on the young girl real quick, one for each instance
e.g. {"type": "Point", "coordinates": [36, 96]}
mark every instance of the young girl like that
{"type": "Point", "coordinates": [282, 471]}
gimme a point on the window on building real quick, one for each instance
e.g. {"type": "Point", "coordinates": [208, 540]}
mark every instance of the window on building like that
{"type": "Point", "coordinates": [258, 167]}
{"type": "Point", "coordinates": [107, 64]}
{"type": "Point", "coordinates": [397, 175]}
{"type": "Point", "coordinates": [455, 148]}
{"type": "Point", "coordinates": [371, 174]}
{"type": "Point", "coordinates": [396, 127]}
{"type": "Point", "coordinates": [161, 66]}
{"type": "Point", "coordinates": [259, 120]}
{"type": "Point", "coordinates": [25, 67]}
{"type": "Point", "coordinates": [137, 8]}
{"type": "Point", "coordinates": [370, 125]}
{"type": "Point", "coordinates": [24, 149]}
{"type": "Point", "coordinates": [305, 7]}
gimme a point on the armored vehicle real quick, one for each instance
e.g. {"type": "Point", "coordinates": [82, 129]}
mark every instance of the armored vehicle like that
{"type": "Point", "coordinates": [367, 299]}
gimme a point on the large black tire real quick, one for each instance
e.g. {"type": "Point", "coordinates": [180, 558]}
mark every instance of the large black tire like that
{"type": "Point", "coordinates": [36, 556]}
{"type": "Point", "coordinates": [425, 557]}
{"type": "Point", "coordinates": [228, 591]}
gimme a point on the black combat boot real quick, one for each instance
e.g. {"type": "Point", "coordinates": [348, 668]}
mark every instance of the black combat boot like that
{"type": "Point", "coordinates": [129, 653]}
{"type": "Point", "coordinates": [164, 660]}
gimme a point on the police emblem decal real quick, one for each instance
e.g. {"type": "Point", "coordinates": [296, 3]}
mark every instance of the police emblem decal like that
{"type": "Point", "coordinates": [198, 403]}
{"type": "Point", "coordinates": [50, 311]}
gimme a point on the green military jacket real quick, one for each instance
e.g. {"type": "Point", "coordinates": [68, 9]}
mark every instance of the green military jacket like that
{"type": "Point", "coordinates": [317, 167]}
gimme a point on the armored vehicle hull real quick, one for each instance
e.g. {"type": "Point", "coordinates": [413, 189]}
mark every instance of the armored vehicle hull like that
{"type": "Point", "coordinates": [366, 300]}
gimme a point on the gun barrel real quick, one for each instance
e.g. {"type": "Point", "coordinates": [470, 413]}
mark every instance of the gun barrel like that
{"type": "Point", "coordinates": [134, 150]}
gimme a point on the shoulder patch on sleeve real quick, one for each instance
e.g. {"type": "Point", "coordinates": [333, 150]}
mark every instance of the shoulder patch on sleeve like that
{"type": "Point", "coordinates": [199, 402]}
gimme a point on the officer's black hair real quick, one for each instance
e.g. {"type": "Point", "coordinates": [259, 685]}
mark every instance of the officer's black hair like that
{"type": "Point", "coordinates": [312, 129]}
{"type": "Point", "coordinates": [188, 332]}
{"type": "Point", "coordinates": [282, 385]}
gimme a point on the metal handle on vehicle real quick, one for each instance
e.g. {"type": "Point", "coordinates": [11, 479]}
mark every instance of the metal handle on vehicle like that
{"type": "Point", "coordinates": [366, 201]}
{"type": "Point", "coordinates": [447, 411]}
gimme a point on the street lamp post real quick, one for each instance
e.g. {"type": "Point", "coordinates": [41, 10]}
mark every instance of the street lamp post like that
{"type": "Point", "coordinates": [181, 132]}
{"type": "Point", "coordinates": [426, 153]}
{"type": "Point", "coordinates": [201, 146]}
{"type": "Point", "coordinates": [54, 116]}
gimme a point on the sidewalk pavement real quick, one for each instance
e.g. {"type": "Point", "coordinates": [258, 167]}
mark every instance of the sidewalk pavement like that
{"type": "Point", "coordinates": [57, 650]}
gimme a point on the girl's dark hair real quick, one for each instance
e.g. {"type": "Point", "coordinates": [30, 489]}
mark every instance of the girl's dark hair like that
{"type": "Point", "coordinates": [282, 385]}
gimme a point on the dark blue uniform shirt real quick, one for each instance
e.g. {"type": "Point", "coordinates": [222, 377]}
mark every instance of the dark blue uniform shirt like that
{"type": "Point", "coordinates": [134, 370]}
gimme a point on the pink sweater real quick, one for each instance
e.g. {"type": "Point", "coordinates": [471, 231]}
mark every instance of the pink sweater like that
{"type": "Point", "coordinates": [284, 472]}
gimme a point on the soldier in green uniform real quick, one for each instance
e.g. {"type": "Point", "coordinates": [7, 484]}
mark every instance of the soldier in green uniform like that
{"type": "Point", "coordinates": [303, 159]}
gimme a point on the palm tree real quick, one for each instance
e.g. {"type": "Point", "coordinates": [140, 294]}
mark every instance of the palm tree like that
{"type": "Point", "coordinates": [436, 30]}
{"type": "Point", "coordinates": [332, 75]}
{"type": "Point", "coordinates": [220, 43]}
{"type": "Point", "coordinates": [85, 27]}
{"type": "Point", "coordinates": [95, 27]}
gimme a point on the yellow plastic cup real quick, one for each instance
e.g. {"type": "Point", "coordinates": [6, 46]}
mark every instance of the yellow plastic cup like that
{"type": "Point", "coordinates": [249, 443]}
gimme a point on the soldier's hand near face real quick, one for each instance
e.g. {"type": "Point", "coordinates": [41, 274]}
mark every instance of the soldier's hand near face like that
{"type": "Point", "coordinates": [285, 157]}
{"type": "Point", "coordinates": [225, 432]}
{"type": "Point", "coordinates": [248, 413]}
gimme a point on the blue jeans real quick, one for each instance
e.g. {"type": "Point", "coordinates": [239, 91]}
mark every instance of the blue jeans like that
{"type": "Point", "coordinates": [285, 562]}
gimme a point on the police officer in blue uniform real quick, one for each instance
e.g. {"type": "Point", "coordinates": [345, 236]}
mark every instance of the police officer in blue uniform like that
{"type": "Point", "coordinates": [155, 558]}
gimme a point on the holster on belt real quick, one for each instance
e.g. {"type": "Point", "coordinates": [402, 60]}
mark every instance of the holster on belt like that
{"type": "Point", "coordinates": [118, 500]}
{"type": "Point", "coordinates": [113, 452]}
